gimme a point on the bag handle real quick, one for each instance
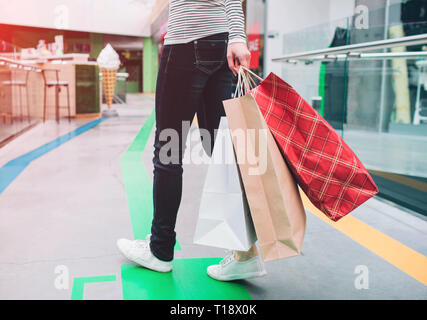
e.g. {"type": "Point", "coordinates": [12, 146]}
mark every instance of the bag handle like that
{"type": "Point", "coordinates": [250, 72]}
{"type": "Point", "coordinates": [245, 81]}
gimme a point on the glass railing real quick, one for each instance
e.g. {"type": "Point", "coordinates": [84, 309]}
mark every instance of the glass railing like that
{"type": "Point", "coordinates": [16, 93]}
{"type": "Point", "coordinates": [376, 99]}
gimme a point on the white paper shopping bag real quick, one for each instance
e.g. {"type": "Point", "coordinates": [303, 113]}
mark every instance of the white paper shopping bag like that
{"type": "Point", "coordinates": [224, 218]}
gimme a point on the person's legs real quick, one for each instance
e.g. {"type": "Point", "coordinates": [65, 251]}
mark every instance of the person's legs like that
{"type": "Point", "coordinates": [189, 71]}
{"type": "Point", "coordinates": [178, 90]}
{"type": "Point", "coordinates": [177, 95]}
{"type": "Point", "coordinates": [190, 76]}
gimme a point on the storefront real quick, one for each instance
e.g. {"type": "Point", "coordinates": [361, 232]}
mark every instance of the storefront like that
{"type": "Point", "coordinates": [73, 54]}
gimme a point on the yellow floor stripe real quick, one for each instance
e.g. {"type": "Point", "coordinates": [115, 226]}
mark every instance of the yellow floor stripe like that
{"type": "Point", "coordinates": [406, 259]}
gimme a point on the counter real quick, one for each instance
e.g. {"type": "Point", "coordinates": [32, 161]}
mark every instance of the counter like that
{"type": "Point", "coordinates": [22, 88]}
{"type": "Point", "coordinates": [84, 84]}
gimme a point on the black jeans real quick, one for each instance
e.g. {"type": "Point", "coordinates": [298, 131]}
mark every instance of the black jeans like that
{"type": "Point", "coordinates": [193, 78]}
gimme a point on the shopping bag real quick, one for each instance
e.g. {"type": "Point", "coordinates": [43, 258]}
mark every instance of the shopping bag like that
{"type": "Point", "coordinates": [274, 200]}
{"type": "Point", "coordinates": [224, 219]}
{"type": "Point", "coordinates": [325, 167]}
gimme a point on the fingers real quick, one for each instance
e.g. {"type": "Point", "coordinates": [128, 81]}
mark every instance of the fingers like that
{"type": "Point", "coordinates": [231, 63]}
{"type": "Point", "coordinates": [242, 60]}
{"type": "Point", "coordinates": [236, 65]}
{"type": "Point", "coordinates": [238, 55]}
{"type": "Point", "coordinates": [245, 60]}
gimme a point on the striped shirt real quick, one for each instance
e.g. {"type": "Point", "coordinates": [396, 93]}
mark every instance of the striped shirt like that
{"type": "Point", "coordinates": [194, 19]}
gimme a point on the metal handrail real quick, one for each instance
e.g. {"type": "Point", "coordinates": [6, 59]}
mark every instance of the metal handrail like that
{"type": "Point", "coordinates": [367, 56]}
{"type": "Point", "coordinates": [355, 49]}
{"type": "Point", "coordinates": [15, 64]}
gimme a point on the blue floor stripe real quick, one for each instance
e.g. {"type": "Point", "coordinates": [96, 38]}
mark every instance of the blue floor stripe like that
{"type": "Point", "coordinates": [11, 170]}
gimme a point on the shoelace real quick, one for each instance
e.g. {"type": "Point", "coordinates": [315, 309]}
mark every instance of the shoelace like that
{"type": "Point", "coordinates": [141, 243]}
{"type": "Point", "coordinates": [137, 245]}
{"type": "Point", "coordinates": [229, 256]}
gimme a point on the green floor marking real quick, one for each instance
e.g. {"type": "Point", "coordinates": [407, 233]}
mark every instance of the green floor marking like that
{"type": "Point", "coordinates": [187, 281]}
{"type": "Point", "coordinates": [79, 285]}
{"type": "Point", "coordinates": [140, 141]}
{"type": "Point", "coordinates": [139, 188]}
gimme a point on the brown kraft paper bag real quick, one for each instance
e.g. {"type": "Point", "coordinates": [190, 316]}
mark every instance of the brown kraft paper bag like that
{"type": "Point", "coordinates": [274, 200]}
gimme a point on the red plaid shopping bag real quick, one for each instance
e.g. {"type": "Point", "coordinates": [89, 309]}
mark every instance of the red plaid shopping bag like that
{"type": "Point", "coordinates": [325, 167]}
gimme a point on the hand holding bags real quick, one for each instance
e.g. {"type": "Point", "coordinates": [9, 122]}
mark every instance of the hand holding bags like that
{"type": "Point", "coordinates": [328, 171]}
{"type": "Point", "coordinates": [224, 219]}
{"type": "Point", "coordinates": [273, 197]}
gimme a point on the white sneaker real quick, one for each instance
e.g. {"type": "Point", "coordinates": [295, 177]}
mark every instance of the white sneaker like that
{"type": "Point", "coordinates": [139, 252]}
{"type": "Point", "coordinates": [230, 269]}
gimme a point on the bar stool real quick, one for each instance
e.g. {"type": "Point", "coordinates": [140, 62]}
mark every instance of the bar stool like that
{"type": "Point", "coordinates": [57, 84]}
{"type": "Point", "coordinates": [21, 83]}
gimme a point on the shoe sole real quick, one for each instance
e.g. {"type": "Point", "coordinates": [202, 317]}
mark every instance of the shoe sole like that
{"type": "Point", "coordinates": [151, 268]}
{"type": "Point", "coordinates": [250, 275]}
{"type": "Point", "coordinates": [142, 264]}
